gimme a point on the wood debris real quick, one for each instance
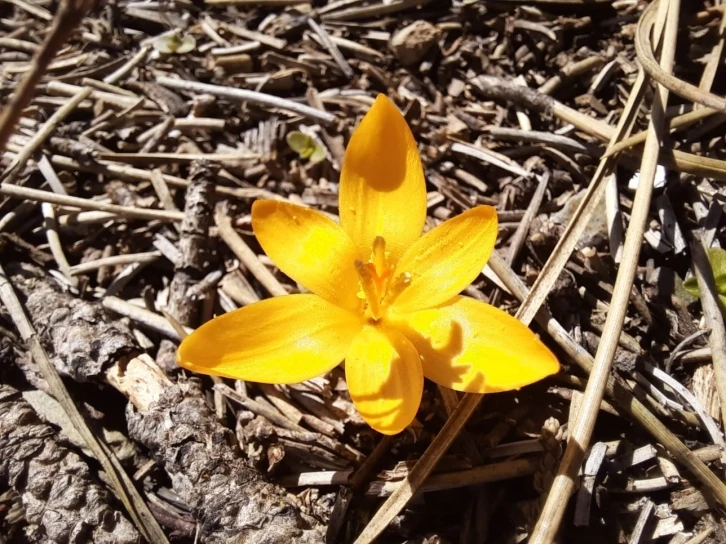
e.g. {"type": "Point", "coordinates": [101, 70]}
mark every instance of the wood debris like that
{"type": "Point", "coordinates": [139, 142]}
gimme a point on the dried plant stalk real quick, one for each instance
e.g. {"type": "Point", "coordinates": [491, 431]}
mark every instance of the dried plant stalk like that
{"type": "Point", "coordinates": [554, 508]}
{"type": "Point", "coordinates": [626, 401]}
{"type": "Point", "coordinates": [714, 318]}
{"type": "Point", "coordinates": [70, 13]}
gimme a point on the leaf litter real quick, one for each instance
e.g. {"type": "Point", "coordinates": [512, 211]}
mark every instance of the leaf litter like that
{"type": "Point", "coordinates": [152, 115]}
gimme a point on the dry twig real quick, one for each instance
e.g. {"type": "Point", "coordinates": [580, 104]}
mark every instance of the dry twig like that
{"type": "Point", "coordinates": [551, 516]}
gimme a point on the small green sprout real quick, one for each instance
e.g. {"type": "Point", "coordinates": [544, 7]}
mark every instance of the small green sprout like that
{"type": "Point", "coordinates": [175, 43]}
{"type": "Point", "coordinates": [717, 260]}
{"type": "Point", "coordinates": [306, 146]}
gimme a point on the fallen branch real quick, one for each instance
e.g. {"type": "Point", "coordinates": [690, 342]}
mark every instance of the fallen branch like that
{"type": "Point", "coordinates": [120, 481]}
{"type": "Point", "coordinates": [230, 499]}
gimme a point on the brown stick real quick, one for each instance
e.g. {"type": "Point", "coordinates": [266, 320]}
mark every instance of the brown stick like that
{"type": "Point", "coordinates": [193, 245]}
{"type": "Point", "coordinates": [230, 499]}
{"type": "Point", "coordinates": [69, 15]}
{"type": "Point", "coordinates": [714, 318]}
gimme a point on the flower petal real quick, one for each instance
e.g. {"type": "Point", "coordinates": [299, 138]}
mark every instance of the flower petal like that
{"type": "Point", "coordinates": [286, 339]}
{"type": "Point", "coordinates": [384, 378]}
{"type": "Point", "coordinates": [310, 248]}
{"type": "Point", "coordinates": [474, 347]}
{"type": "Point", "coordinates": [445, 260]}
{"type": "Point", "coordinates": [382, 186]}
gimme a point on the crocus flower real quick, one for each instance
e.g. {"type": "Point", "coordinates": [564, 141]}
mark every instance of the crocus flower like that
{"type": "Point", "coordinates": [383, 297]}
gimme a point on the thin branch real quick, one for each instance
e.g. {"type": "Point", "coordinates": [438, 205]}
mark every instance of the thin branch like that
{"type": "Point", "coordinates": [244, 95]}
{"type": "Point", "coordinates": [551, 516]}
{"type": "Point", "coordinates": [86, 204]}
{"type": "Point", "coordinates": [246, 255]}
{"type": "Point", "coordinates": [70, 13]}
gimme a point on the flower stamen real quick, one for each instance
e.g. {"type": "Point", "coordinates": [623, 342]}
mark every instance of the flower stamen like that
{"type": "Point", "coordinates": [375, 280]}
{"type": "Point", "coordinates": [378, 256]}
{"type": "Point", "coordinates": [396, 288]}
{"type": "Point", "coordinates": [370, 286]}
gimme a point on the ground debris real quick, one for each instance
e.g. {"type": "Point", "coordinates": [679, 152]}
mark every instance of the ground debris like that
{"type": "Point", "coordinates": [62, 499]}
{"type": "Point", "coordinates": [125, 199]}
{"type": "Point", "coordinates": [229, 498]}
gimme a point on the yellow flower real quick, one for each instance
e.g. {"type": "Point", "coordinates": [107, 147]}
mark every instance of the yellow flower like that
{"type": "Point", "coordinates": [384, 296]}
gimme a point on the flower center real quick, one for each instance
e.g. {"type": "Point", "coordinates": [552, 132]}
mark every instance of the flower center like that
{"type": "Point", "coordinates": [379, 288]}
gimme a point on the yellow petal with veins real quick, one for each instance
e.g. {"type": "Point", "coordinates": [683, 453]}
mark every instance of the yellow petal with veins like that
{"type": "Point", "coordinates": [474, 347]}
{"type": "Point", "coordinates": [384, 378]}
{"type": "Point", "coordinates": [310, 248]}
{"type": "Point", "coordinates": [445, 260]}
{"type": "Point", "coordinates": [286, 339]}
{"type": "Point", "coordinates": [382, 187]}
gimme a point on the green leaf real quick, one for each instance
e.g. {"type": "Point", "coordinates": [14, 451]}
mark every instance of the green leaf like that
{"type": "Point", "coordinates": [298, 141]}
{"type": "Point", "coordinates": [717, 258]}
{"type": "Point", "coordinates": [691, 286]}
{"type": "Point", "coordinates": [318, 155]}
{"type": "Point", "coordinates": [175, 44]}
{"type": "Point", "coordinates": [187, 45]}
{"type": "Point", "coordinates": [721, 284]}
{"type": "Point", "coordinates": [305, 146]}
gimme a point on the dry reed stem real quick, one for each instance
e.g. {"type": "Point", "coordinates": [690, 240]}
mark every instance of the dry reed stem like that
{"type": "Point", "coordinates": [520, 234]}
{"type": "Point", "coordinates": [663, 75]}
{"type": "Point", "coordinates": [549, 522]}
{"type": "Point", "coordinates": [243, 95]}
{"type": "Point", "coordinates": [560, 255]}
{"type": "Point", "coordinates": [419, 473]}
{"type": "Point", "coordinates": [56, 247]}
{"type": "Point", "coordinates": [375, 10]}
{"type": "Point", "coordinates": [86, 204]}
{"type": "Point", "coordinates": [64, 111]}
{"type": "Point", "coordinates": [687, 163]}
{"type": "Point", "coordinates": [114, 260]}
{"type": "Point", "coordinates": [144, 318]}
{"type": "Point", "coordinates": [701, 537]}
{"type": "Point", "coordinates": [243, 252]}
{"type": "Point", "coordinates": [714, 59]}
{"type": "Point", "coordinates": [675, 124]}
{"type": "Point", "coordinates": [714, 318]}
{"type": "Point", "coordinates": [70, 13]}
{"type": "Point", "coordinates": [137, 174]}
{"type": "Point", "coordinates": [627, 403]}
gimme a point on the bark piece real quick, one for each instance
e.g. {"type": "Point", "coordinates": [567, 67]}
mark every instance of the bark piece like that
{"type": "Point", "coordinates": [228, 496]}
{"type": "Point", "coordinates": [80, 338]}
{"type": "Point", "coordinates": [231, 500]}
{"type": "Point", "coordinates": [193, 244]}
{"type": "Point", "coordinates": [63, 502]}
{"type": "Point", "coordinates": [411, 43]}
{"type": "Point", "coordinates": [703, 385]}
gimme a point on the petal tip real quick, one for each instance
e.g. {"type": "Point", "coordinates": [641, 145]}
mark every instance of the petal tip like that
{"type": "Point", "coordinates": [489, 211]}
{"type": "Point", "coordinates": [385, 108]}
{"type": "Point", "coordinates": [382, 99]}
{"type": "Point", "coordinates": [262, 207]}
